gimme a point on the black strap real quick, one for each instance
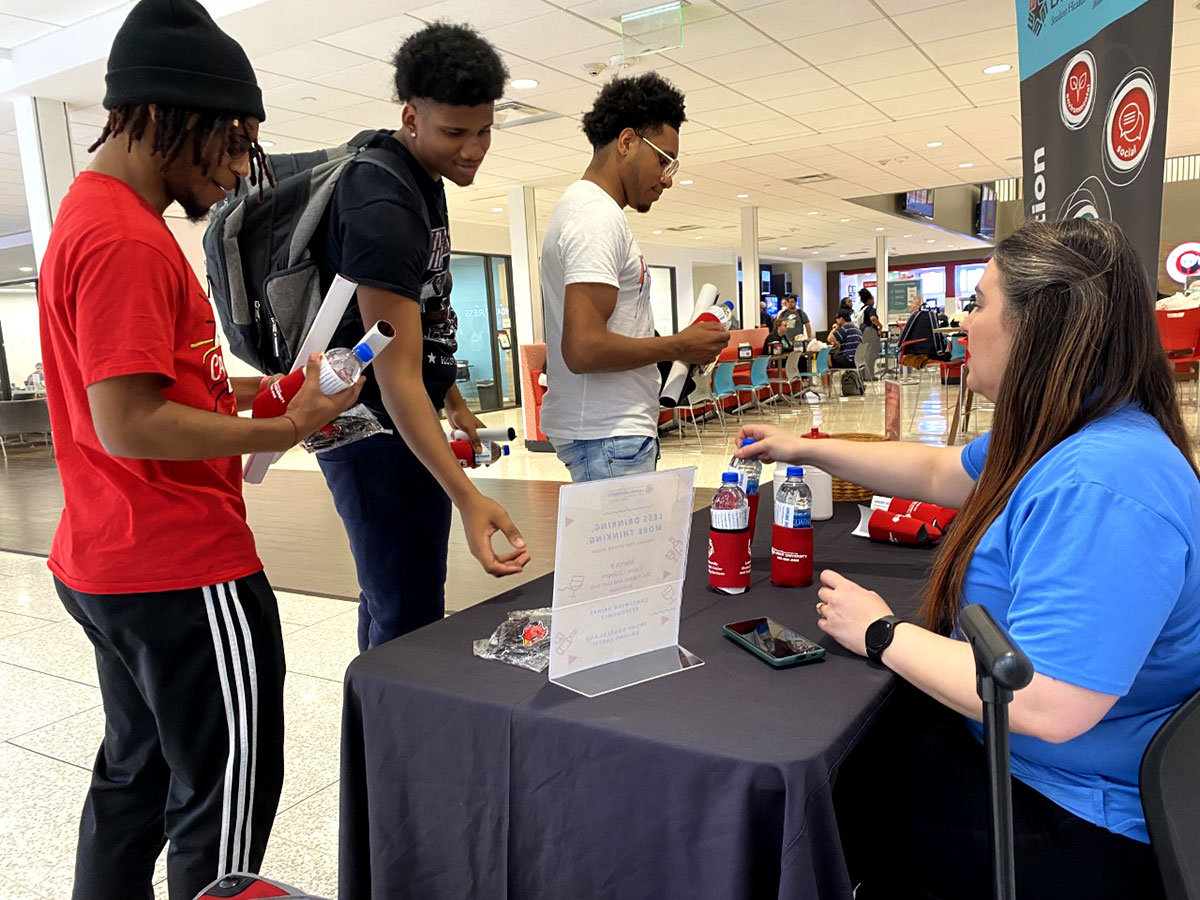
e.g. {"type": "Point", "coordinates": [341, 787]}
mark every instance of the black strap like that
{"type": "Point", "coordinates": [376, 156]}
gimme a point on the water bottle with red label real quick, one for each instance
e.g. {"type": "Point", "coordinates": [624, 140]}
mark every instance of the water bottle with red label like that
{"type": "Point", "coordinates": [729, 538]}
{"type": "Point", "coordinates": [792, 533]}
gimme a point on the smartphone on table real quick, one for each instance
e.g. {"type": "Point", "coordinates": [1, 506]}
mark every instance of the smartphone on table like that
{"type": "Point", "coordinates": [773, 642]}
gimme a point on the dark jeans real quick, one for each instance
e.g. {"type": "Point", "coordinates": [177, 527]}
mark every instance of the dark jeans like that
{"type": "Point", "coordinates": [912, 807]}
{"type": "Point", "coordinates": [839, 360]}
{"type": "Point", "coordinates": [192, 684]}
{"type": "Point", "coordinates": [397, 518]}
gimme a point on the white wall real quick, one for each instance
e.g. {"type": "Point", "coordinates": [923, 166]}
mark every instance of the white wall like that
{"type": "Point", "coordinates": [19, 318]}
{"type": "Point", "coordinates": [685, 261]}
{"type": "Point", "coordinates": [722, 277]}
{"type": "Point", "coordinates": [813, 295]}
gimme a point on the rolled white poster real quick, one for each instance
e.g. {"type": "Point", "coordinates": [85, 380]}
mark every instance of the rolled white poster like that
{"type": "Point", "coordinates": [337, 298]}
{"type": "Point", "coordinates": [672, 387]}
{"type": "Point", "coordinates": [487, 435]}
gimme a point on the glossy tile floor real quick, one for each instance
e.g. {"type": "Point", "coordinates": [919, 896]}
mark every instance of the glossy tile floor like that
{"type": "Point", "coordinates": [51, 721]}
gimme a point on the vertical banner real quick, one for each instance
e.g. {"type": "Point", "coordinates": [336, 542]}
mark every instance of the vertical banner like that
{"type": "Point", "coordinates": [1094, 82]}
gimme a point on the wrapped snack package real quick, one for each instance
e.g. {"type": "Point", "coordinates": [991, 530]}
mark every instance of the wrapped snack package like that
{"type": "Point", "coordinates": [894, 528]}
{"type": "Point", "coordinates": [354, 424]}
{"type": "Point", "coordinates": [939, 516]}
{"type": "Point", "coordinates": [523, 639]}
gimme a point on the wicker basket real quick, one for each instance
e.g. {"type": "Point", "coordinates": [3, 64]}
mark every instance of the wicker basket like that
{"type": "Point", "coordinates": [848, 490]}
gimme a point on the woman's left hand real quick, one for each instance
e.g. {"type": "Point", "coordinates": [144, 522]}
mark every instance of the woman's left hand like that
{"type": "Point", "coordinates": [846, 609]}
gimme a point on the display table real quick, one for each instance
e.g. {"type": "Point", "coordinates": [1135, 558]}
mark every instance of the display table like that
{"type": "Point", "coordinates": [465, 778]}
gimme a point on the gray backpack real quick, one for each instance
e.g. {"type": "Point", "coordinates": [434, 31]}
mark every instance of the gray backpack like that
{"type": "Point", "coordinates": [262, 276]}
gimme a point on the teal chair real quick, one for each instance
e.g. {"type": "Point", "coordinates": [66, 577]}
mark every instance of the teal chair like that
{"type": "Point", "coordinates": [820, 368]}
{"type": "Point", "coordinates": [724, 389]}
{"type": "Point", "coordinates": [759, 378]}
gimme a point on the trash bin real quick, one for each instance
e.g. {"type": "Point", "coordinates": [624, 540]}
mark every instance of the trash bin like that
{"type": "Point", "coordinates": [489, 395]}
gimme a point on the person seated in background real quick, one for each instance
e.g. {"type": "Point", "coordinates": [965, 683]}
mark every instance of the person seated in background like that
{"type": "Point", "coordinates": [36, 381]}
{"type": "Point", "coordinates": [1091, 564]}
{"type": "Point", "coordinates": [777, 342]}
{"type": "Point", "coordinates": [919, 341]}
{"type": "Point", "coordinates": [844, 339]}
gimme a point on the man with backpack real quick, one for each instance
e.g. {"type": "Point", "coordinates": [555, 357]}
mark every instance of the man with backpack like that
{"type": "Point", "coordinates": [153, 556]}
{"type": "Point", "coordinates": [386, 227]}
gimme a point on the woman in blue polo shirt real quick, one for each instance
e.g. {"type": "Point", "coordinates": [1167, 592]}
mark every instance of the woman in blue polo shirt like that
{"type": "Point", "coordinates": [1079, 529]}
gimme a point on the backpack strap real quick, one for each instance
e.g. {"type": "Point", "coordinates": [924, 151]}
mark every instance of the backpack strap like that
{"type": "Point", "coordinates": [375, 156]}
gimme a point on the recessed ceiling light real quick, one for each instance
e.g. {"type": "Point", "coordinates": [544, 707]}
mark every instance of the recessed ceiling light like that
{"type": "Point", "coordinates": [843, 254]}
{"type": "Point", "coordinates": [783, 248]}
{"type": "Point", "coordinates": [266, 144]}
{"type": "Point", "coordinates": [815, 252]}
{"type": "Point", "coordinates": [930, 240]}
{"type": "Point", "coordinates": [965, 165]}
{"type": "Point", "coordinates": [24, 268]}
{"type": "Point", "coordinates": [880, 228]}
{"type": "Point", "coordinates": [933, 144]}
{"type": "Point", "coordinates": [687, 181]}
{"type": "Point", "coordinates": [524, 84]}
{"type": "Point", "coordinates": [843, 220]}
{"type": "Point", "coordinates": [657, 231]}
{"type": "Point", "coordinates": [908, 235]}
{"type": "Point", "coordinates": [699, 237]}
{"type": "Point", "coordinates": [997, 69]}
{"type": "Point", "coordinates": [308, 99]}
{"type": "Point", "coordinates": [814, 212]}
{"type": "Point", "coordinates": [739, 196]}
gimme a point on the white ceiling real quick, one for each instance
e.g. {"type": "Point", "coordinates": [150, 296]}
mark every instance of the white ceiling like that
{"type": "Point", "coordinates": [775, 89]}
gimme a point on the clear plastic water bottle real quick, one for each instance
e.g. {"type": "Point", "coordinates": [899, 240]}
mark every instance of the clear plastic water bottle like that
{"type": "Point", "coordinates": [792, 534]}
{"type": "Point", "coordinates": [749, 477]}
{"type": "Point", "coordinates": [729, 538]}
{"type": "Point", "coordinates": [730, 508]}
{"type": "Point", "coordinates": [793, 506]}
{"type": "Point", "coordinates": [341, 367]}
{"type": "Point", "coordinates": [749, 471]}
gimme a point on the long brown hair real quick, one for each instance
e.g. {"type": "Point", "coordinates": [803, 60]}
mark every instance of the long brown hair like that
{"type": "Point", "coordinates": [1079, 306]}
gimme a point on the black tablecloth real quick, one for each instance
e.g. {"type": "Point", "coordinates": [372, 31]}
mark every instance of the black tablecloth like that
{"type": "Point", "coordinates": [466, 778]}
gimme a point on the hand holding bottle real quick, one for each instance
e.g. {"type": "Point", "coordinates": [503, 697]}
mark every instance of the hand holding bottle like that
{"type": "Point", "coordinates": [311, 408]}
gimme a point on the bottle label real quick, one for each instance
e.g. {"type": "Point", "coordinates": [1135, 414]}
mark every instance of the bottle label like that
{"type": "Point", "coordinates": [748, 482]}
{"type": "Point", "coordinates": [331, 382]}
{"type": "Point", "coordinates": [790, 515]}
{"type": "Point", "coordinates": [731, 519]}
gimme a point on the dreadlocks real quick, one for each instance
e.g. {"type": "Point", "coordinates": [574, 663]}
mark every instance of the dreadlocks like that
{"type": "Point", "coordinates": [173, 126]}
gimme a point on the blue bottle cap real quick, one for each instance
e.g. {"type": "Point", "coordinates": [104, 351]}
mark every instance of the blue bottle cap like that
{"type": "Point", "coordinates": [795, 470]}
{"type": "Point", "coordinates": [746, 442]}
{"type": "Point", "coordinates": [363, 351]}
{"type": "Point", "coordinates": [504, 449]}
{"type": "Point", "coordinates": [729, 478]}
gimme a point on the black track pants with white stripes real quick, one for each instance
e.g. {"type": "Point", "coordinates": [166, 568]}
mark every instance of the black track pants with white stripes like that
{"type": "Point", "coordinates": [192, 684]}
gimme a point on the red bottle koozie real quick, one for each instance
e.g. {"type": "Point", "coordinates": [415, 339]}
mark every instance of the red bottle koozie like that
{"type": "Point", "coordinates": [791, 556]}
{"type": "Point", "coordinates": [940, 516]}
{"type": "Point", "coordinates": [752, 500]}
{"type": "Point", "coordinates": [275, 399]}
{"type": "Point", "coordinates": [729, 560]}
{"type": "Point", "coordinates": [898, 529]}
{"type": "Point", "coordinates": [465, 453]}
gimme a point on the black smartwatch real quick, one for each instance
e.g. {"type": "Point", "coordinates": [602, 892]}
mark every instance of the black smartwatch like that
{"type": "Point", "coordinates": [879, 636]}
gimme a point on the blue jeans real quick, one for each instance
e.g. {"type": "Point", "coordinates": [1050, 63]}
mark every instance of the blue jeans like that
{"type": "Point", "coordinates": [607, 457]}
{"type": "Point", "coordinates": [397, 518]}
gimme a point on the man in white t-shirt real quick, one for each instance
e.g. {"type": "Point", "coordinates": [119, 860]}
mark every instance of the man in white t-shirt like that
{"type": "Point", "coordinates": [601, 405]}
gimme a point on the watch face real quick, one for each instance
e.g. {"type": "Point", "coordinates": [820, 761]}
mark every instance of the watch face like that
{"type": "Point", "coordinates": [877, 635]}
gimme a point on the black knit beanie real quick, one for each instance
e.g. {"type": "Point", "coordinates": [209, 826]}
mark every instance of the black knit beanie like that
{"type": "Point", "coordinates": [172, 53]}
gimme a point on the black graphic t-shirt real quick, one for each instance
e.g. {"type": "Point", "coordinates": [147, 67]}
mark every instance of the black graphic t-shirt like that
{"type": "Point", "coordinates": [374, 232]}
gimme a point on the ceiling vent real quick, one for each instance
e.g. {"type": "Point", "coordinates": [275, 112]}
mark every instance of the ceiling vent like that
{"type": "Point", "coordinates": [512, 114]}
{"type": "Point", "coordinates": [684, 228]}
{"type": "Point", "coordinates": [810, 179]}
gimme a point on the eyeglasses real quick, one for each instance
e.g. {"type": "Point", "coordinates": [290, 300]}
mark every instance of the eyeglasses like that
{"type": "Point", "coordinates": [670, 163]}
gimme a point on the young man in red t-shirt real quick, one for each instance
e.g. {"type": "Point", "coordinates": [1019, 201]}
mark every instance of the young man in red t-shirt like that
{"type": "Point", "coordinates": [153, 556]}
